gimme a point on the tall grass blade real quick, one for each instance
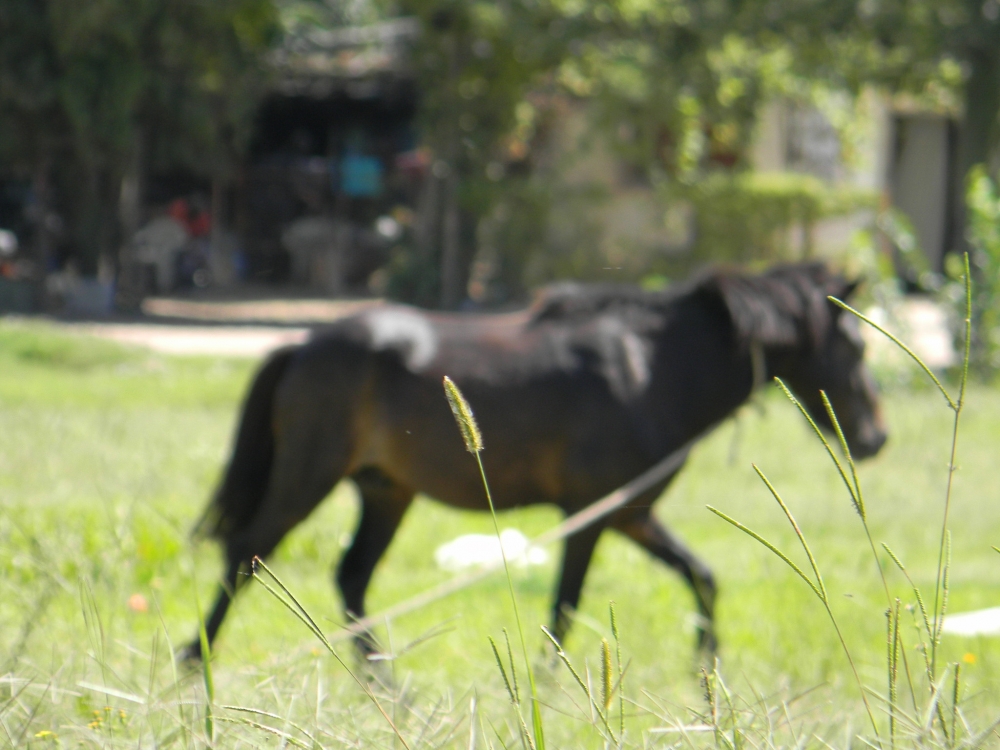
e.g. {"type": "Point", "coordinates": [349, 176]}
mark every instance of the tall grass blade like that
{"type": "Point", "coordinates": [503, 671]}
{"type": "Point", "coordinates": [819, 588]}
{"type": "Point", "coordinates": [980, 739]}
{"type": "Point", "coordinates": [913, 586]}
{"type": "Point", "coordinates": [271, 715]}
{"type": "Point", "coordinates": [206, 671]}
{"type": "Point", "coordinates": [606, 679]}
{"type": "Point", "coordinates": [584, 684]}
{"type": "Point", "coordinates": [901, 345]}
{"type": "Point", "coordinates": [858, 505]}
{"type": "Point", "coordinates": [857, 496]}
{"type": "Point", "coordinates": [713, 706]}
{"type": "Point", "coordinates": [939, 579]}
{"type": "Point", "coordinates": [892, 660]}
{"type": "Point", "coordinates": [621, 672]}
{"type": "Point", "coordinates": [798, 532]}
{"type": "Point", "coordinates": [284, 736]}
{"type": "Point", "coordinates": [513, 669]}
{"type": "Point", "coordinates": [474, 444]}
{"type": "Point", "coordinates": [945, 586]}
{"type": "Point", "coordinates": [296, 608]}
{"type": "Point", "coordinates": [954, 704]}
{"type": "Point", "coordinates": [753, 534]}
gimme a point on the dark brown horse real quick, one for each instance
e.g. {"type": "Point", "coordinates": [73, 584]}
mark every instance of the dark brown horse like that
{"type": "Point", "coordinates": [575, 396]}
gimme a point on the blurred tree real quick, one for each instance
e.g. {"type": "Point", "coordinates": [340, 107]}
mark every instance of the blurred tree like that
{"type": "Point", "coordinates": [94, 93]}
{"type": "Point", "coordinates": [670, 84]}
{"type": "Point", "coordinates": [944, 51]}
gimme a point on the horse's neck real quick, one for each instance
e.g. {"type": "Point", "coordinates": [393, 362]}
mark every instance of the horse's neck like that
{"type": "Point", "coordinates": [718, 376]}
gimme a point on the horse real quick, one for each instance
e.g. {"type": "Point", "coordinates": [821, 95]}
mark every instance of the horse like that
{"type": "Point", "coordinates": [575, 395]}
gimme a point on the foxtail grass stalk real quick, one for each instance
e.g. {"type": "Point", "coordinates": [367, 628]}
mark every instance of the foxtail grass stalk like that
{"type": "Point", "coordinates": [935, 622]}
{"type": "Point", "coordinates": [584, 684]}
{"type": "Point", "coordinates": [940, 584]}
{"type": "Point", "coordinates": [474, 444]}
{"type": "Point", "coordinates": [606, 688]}
{"type": "Point", "coordinates": [956, 405]}
{"type": "Point", "coordinates": [818, 587]}
{"type": "Point", "coordinates": [621, 672]}
{"type": "Point", "coordinates": [892, 659]}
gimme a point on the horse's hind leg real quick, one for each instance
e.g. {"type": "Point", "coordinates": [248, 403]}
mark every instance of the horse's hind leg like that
{"type": "Point", "coordinates": [576, 559]}
{"type": "Point", "coordinates": [383, 503]}
{"type": "Point", "coordinates": [647, 531]}
{"type": "Point", "coordinates": [303, 474]}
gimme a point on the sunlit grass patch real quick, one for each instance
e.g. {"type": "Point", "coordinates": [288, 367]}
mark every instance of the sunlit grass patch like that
{"type": "Point", "coordinates": [41, 344]}
{"type": "Point", "coordinates": [104, 469]}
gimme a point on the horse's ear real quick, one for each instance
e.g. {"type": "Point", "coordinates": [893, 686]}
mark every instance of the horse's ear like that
{"type": "Point", "coordinates": [842, 289]}
{"type": "Point", "coordinates": [759, 310]}
{"type": "Point", "coordinates": [849, 289]}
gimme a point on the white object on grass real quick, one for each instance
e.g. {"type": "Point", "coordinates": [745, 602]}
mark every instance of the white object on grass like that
{"type": "Point", "coordinates": [979, 622]}
{"type": "Point", "coordinates": [8, 243]}
{"type": "Point", "coordinates": [471, 550]}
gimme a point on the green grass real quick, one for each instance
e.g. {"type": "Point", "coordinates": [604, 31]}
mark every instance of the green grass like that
{"type": "Point", "coordinates": [107, 456]}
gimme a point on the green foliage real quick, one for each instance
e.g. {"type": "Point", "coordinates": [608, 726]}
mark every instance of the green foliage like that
{"type": "Point", "coordinates": [934, 709]}
{"type": "Point", "coordinates": [91, 90]}
{"type": "Point", "coordinates": [39, 346]}
{"type": "Point", "coordinates": [982, 201]}
{"type": "Point", "coordinates": [672, 89]}
{"type": "Point", "coordinates": [104, 497]}
{"type": "Point", "coordinates": [749, 217]}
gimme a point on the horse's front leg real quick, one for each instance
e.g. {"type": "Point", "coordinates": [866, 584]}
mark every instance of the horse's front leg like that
{"type": "Point", "coordinates": [576, 559]}
{"type": "Point", "coordinates": [383, 503]}
{"type": "Point", "coordinates": [647, 531]}
{"type": "Point", "coordinates": [227, 590]}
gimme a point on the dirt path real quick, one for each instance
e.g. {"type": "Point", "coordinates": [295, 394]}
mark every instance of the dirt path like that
{"type": "Point", "coordinates": [224, 341]}
{"type": "Point", "coordinates": [224, 328]}
{"type": "Point", "coordinates": [253, 328]}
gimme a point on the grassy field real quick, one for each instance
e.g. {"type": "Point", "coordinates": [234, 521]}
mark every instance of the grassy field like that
{"type": "Point", "coordinates": [107, 456]}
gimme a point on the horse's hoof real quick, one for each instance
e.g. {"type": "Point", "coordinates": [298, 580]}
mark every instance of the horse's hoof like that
{"type": "Point", "coordinates": [190, 655]}
{"type": "Point", "coordinates": [708, 645]}
{"type": "Point", "coordinates": [377, 669]}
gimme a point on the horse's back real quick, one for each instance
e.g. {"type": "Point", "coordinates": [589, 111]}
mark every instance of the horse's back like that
{"type": "Point", "coordinates": [546, 417]}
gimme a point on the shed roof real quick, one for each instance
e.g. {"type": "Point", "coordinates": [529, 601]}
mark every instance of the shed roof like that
{"type": "Point", "coordinates": [360, 61]}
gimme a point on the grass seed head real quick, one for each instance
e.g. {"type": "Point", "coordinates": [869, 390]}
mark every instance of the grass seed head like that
{"type": "Point", "coordinates": [463, 416]}
{"type": "Point", "coordinates": [606, 686]}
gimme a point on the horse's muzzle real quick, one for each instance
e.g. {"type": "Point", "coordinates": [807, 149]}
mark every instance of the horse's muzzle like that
{"type": "Point", "coordinates": [869, 444]}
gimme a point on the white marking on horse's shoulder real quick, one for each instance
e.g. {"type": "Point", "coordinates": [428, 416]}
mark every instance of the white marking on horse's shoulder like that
{"type": "Point", "coordinates": [637, 360]}
{"type": "Point", "coordinates": [406, 331]}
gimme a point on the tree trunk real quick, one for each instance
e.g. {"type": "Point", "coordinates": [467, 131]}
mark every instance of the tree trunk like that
{"type": "Point", "coordinates": [43, 240]}
{"type": "Point", "coordinates": [451, 249]}
{"type": "Point", "coordinates": [130, 198]}
{"type": "Point", "coordinates": [221, 261]}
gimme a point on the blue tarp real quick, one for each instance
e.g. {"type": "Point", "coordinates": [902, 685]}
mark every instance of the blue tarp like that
{"type": "Point", "coordinates": [360, 176]}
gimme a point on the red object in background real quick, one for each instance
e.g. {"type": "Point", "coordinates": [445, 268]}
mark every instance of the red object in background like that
{"type": "Point", "coordinates": [197, 225]}
{"type": "Point", "coordinates": [415, 162]}
{"type": "Point", "coordinates": [200, 225]}
{"type": "Point", "coordinates": [178, 211]}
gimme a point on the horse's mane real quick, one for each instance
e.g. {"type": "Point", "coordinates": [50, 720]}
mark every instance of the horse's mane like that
{"type": "Point", "coordinates": [784, 306]}
{"type": "Point", "coordinates": [571, 300]}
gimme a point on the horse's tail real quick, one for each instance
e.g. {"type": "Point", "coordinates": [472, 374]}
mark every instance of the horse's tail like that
{"type": "Point", "coordinates": [242, 488]}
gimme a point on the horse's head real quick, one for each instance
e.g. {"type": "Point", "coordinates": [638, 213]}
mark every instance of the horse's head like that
{"type": "Point", "coordinates": [812, 345]}
{"type": "Point", "coordinates": [836, 367]}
